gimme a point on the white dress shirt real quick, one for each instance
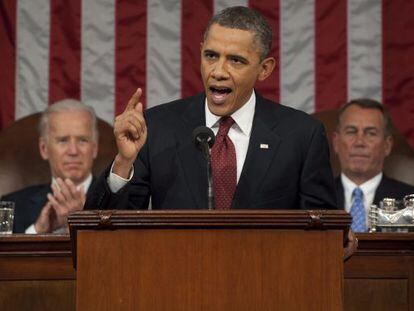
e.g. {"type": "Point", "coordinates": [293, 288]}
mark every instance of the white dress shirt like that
{"type": "Point", "coordinates": [86, 184]}
{"type": "Point", "coordinates": [368, 189]}
{"type": "Point", "coordinates": [239, 133]}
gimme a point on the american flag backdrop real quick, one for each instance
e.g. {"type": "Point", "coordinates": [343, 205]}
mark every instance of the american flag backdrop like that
{"type": "Point", "coordinates": [99, 51]}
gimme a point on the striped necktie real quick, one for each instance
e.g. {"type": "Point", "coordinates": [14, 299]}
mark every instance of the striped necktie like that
{"type": "Point", "coordinates": [358, 211]}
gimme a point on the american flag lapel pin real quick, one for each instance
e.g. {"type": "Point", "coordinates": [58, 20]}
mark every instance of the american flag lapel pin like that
{"type": "Point", "coordinates": [264, 146]}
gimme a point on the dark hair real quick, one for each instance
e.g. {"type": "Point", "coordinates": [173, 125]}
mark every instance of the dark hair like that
{"type": "Point", "coordinates": [244, 18]}
{"type": "Point", "coordinates": [367, 103]}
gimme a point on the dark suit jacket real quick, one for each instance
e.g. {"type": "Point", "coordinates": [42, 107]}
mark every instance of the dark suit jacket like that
{"type": "Point", "coordinates": [294, 172]}
{"type": "Point", "coordinates": [28, 204]}
{"type": "Point", "coordinates": [388, 188]}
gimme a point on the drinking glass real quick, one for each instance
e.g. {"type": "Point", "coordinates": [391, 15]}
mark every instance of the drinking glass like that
{"type": "Point", "coordinates": [6, 217]}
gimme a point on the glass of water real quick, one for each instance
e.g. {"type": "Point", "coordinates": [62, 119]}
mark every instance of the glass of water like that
{"type": "Point", "coordinates": [6, 217]}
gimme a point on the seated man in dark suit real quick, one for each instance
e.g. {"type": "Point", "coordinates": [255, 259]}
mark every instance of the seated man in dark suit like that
{"type": "Point", "coordinates": [69, 142]}
{"type": "Point", "coordinates": [362, 141]}
{"type": "Point", "coordinates": [266, 155]}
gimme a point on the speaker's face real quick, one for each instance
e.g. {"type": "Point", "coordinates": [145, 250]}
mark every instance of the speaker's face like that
{"type": "Point", "coordinates": [230, 67]}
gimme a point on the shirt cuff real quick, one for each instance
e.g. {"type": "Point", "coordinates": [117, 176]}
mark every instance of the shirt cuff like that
{"type": "Point", "coordinates": [116, 182]}
{"type": "Point", "coordinates": [31, 230]}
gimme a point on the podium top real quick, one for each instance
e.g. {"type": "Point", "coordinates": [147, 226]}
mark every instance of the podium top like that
{"type": "Point", "coordinates": [280, 219]}
{"type": "Point", "coordinates": [101, 220]}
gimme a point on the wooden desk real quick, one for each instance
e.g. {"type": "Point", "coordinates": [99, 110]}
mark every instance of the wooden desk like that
{"type": "Point", "coordinates": [380, 276]}
{"type": "Point", "coordinates": [36, 273]}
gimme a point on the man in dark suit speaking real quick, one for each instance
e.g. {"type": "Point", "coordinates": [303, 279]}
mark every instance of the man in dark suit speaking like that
{"type": "Point", "coordinates": [266, 155]}
{"type": "Point", "coordinates": [69, 142]}
{"type": "Point", "coordinates": [362, 141]}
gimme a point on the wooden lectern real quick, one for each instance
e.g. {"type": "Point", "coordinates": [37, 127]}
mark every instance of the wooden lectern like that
{"type": "Point", "coordinates": [209, 260]}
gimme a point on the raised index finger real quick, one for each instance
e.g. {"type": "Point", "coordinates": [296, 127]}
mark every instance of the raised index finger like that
{"type": "Point", "coordinates": [134, 100]}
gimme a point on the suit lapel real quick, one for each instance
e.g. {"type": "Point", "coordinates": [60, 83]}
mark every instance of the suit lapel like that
{"type": "Point", "coordinates": [263, 146]}
{"type": "Point", "coordinates": [40, 197]}
{"type": "Point", "coordinates": [380, 193]}
{"type": "Point", "coordinates": [37, 201]}
{"type": "Point", "coordinates": [192, 160]}
{"type": "Point", "coordinates": [340, 192]}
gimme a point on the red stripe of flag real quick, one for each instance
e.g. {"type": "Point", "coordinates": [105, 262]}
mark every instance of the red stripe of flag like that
{"type": "Point", "coordinates": [7, 61]}
{"type": "Point", "coordinates": [270, 88]}
{"type": "Point", "coordinates": [130, 51]}
{"type": "Point", "coordinates": [398, 53]}
{"type": "Point", "coordinates": [194, 19]}
{"type": "Point", "coordinates": [330, 54]}
{"type": "Point", "coordinates": [65, 50]}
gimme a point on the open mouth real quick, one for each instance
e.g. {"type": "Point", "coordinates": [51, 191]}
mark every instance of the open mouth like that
{"type": "Point", "coordinates": [220, 90]}
{"type": "Point", "coordinates": [219, 94]}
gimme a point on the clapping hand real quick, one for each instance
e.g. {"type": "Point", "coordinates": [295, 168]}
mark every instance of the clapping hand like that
{"type": "Point", "coordinates": [65, 199]}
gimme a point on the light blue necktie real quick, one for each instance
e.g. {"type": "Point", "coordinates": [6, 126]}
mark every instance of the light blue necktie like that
{"type": "Point", "coordinates": [358, 211]}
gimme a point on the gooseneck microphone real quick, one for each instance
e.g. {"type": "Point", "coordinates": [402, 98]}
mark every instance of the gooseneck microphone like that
{"type": "Point", "coordinates": [204, 138]}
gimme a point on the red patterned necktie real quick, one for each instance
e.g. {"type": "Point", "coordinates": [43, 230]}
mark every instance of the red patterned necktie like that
{"type": "Point", "coordinates": [224, 166]}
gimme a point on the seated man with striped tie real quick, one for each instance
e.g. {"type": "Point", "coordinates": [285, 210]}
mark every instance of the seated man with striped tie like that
{"type": "Point", "coordinates": [266, 155]}
{"type": "Point", "coordinates": [362, 141]}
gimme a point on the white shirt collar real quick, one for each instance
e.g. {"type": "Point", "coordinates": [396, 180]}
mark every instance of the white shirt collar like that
{"type": "Point", "coordinates": [243, 117]}
{"type": "Point", "coordinates": [85, 184]}
{"type": "Point", "coordinates": [368, 188]}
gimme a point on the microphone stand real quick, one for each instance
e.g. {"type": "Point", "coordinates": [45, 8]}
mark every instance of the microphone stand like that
{"type": "Point", "coordinates": [204, 138]}
{"type": "Point", "coordinates": [210, 193]}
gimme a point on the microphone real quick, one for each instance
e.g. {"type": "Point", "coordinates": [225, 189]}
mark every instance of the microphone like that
{"type": "Point", "coordinates": [204, 138]}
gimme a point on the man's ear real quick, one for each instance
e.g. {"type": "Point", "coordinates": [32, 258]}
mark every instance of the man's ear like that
{"type": "Point", "coordinates": [335, 138]}
{"type": "Point", "coordinates": [43, 148]}
{"type": "Point", "coordinates": [95, 150]}
{"type": "Point", "coordinates": [267, 67]}
{"type": "Point", "coordinates": [389, 142]}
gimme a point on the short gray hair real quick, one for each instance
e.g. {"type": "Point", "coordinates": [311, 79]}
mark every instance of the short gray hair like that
{"type": "Point", "coordinates": [368, 103]}
{"type": "Point", "coordinates": [244, 18]}
{"type": "Point", "coordinates": [65, 105]}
